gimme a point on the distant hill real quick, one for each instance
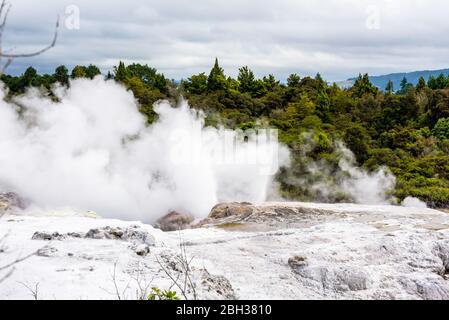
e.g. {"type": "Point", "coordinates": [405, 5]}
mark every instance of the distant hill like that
{"type": "Point", "coordinates": [412, 77]}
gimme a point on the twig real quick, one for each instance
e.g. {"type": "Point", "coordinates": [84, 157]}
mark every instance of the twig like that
{"type": "Point", "coordinates": [185, 264]}
{"type": "Point", "coordinates": [7, 275]}
{"type": "Point", "coordinates": [119, 295]}
{"type": "Point", "coordinates": [34, 291]}
{"type": "Point", "coordinates": [36, 53]}
{"type": "Point", "coordinates": [5, 8]}
{"type": "Point", "coordinates": [9, 265]}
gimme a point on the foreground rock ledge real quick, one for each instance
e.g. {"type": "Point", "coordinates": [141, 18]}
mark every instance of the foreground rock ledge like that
{"type": "Point", "coordinates": [241, 251]}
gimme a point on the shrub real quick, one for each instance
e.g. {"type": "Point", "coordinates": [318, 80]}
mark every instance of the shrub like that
{"type": "Point", "coordinates": [158, 294]}
{"type": "Point", "coordinates": [441, 129]}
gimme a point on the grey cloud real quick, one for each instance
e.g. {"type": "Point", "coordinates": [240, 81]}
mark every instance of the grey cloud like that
{"type": "Point", "coordinates": [183, 37]}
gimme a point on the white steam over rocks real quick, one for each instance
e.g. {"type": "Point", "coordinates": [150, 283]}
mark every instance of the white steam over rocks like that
{"type": "Point", "coordinates": [93, 151]}
{"type": "Point", "coordinates": [344, 181]}
{"type": "Point", "coordinates": [365, 187]}
{"type": "Point", "coordinates": [413, 203]}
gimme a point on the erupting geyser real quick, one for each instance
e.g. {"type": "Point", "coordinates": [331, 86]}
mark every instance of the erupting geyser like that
{"type": "Point", "coordinates": [93, 151]}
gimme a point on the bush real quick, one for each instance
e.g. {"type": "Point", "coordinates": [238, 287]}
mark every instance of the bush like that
{"type": "Point", "coordinates": [158, 294]}
{"type": "Point", "coordinates": [441, 129]}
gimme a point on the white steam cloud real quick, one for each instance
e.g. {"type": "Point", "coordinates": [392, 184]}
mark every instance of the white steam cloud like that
{"type": "Point", "coordinates": [344, 182]}
{"type": "Point", "coordinates": [363, 186]}
{"type": "Point", "coordinates": [93, 151]}
{"type": "Point", "coordinates": [411, 202]}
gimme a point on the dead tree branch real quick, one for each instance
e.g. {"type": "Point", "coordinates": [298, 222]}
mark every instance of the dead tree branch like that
{"type": "Point", "coordinates": [181, 279]}
{"type": "Point", "coordinates": [34, 290]}
{"type": "Point", "coordinates": [9, 268]}
{"type": "Point", "coordinates": [5, 8]}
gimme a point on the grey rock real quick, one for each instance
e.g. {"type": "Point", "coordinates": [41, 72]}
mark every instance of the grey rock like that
{"type": "Point", "coordinates": [105, 233]}
{"type": "Point", "coordinates": [47, 252]}
{"type": "Point", "coordinates": [218, 285]}
{"type": "Point", "coordinates": [231, 209]}
{"type": "Point", "coordinates": [351, 280]}
{"type": "Point", "coordinates": [442, 251]}
{"type": "Point", "coordinates": [297, 262]}
{"type": "Point", "coordinates": [136, 234]}
{"type": "Point", "coordinates": [432, 289]}
{"type": "Point", "coordinates": [46, 236]}
{"type": "Point", "coordinates": [10, 201]}
{"type": "Point", "coordinates": [339, 279]}
{"type": "Point", "coordinates": [142, 250]}
{"type": "Point", "coordinates": [174, 221]}
{"type": "Point", "coordinates": [131, 234]}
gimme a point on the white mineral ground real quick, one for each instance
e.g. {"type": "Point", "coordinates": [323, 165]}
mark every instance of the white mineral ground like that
{"type": "Point", "coordinates": [271, 251]}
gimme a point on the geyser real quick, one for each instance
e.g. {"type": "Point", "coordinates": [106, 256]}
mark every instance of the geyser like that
{"type": "Point", "coordinates": [93, 151]}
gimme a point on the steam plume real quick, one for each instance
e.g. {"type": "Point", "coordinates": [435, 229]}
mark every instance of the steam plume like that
{"type": "Point", "coordinates": [93, 151]}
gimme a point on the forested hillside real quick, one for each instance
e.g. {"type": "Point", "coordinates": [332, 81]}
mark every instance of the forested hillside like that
{"type": "Point", "coordinates": [406, 130]}
{"type": "Point", "coordinates": [411, 77]}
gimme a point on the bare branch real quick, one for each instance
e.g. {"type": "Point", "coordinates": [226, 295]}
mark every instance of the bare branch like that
{"type": "Point", "coordinates": [4, 17]}
{"type": "Point", "coordinates": [172, 278]}
{"type": "Point", "coordinates": [9, 265]}
{"type": "Point", "coordinates": [34, 291]}
{"type": "Point", "coordinates": [36, 53]}
{"type": "Point", "coordinates": [7, 275]}
{"type": "Point", "coordinates": [186, 271]}
{"type": "Point", "coordinates": [143, 285]}
{"type": "Point", "coordinates": [9, 268]}
{"type": "Point", "coordinates": [5, 8]}
{"type": "Point", "coordinates": [114, 280]}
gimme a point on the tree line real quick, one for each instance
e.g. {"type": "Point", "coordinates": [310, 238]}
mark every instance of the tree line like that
{"type": "Point", "coordinates": [406, 129]}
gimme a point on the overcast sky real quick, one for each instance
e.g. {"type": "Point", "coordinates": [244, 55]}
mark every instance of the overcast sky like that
{"type": "Point", "coordinates": [180, 37]}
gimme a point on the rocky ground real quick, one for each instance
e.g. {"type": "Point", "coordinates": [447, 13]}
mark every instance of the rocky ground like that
{"type": "Point", "coordinates": [242, 251]}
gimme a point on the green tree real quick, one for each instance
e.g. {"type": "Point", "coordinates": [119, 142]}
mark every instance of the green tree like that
{"type": "Point", "coordinates": [442, 81]}
{"type": "Point", "coordinates": [196, 84]}
{"type": "Point", "coordinates": [363, 86]}
{"type": "Point", "coordinates": [405, 86]}
{"type": "Point", "coordinates": [247, 80]}
{"type": "Point", "coordinates": [29, 77]}
{"type": "Point", "coordinates": [149, 76]}
{"type": "Point", "coordinates": [270, 83]}
{"type": "Point", "coordinates": [92, 71]}
{"type": "Point", "coordinates": [216, 80]}
{"type": "Point", "coordinates": [421, 84]}
{"type": "Point", "coordinates": [79, 72]}
{"type": "Point", "coordinates": [432, 83]}
{"type": "Point", "coordinates": [322, 99]}
{"type": "Point", "coordinates": [61, 75]}
{"type": "Point", "coordinates": [439, 82]}
{"type": "Point", "coordinates": [321, 84]}
{"type": "Point", "coordinates": [293, 80]}
{"type": "Point", "coordinates": [120, 72]}
{"type": "Point", "coordinates": [441, 129]}
{"type": "Point", "coordinates": [390, 87]}
{"type": "Point", "coordinates": [404, 83]}
{"type": "Point", "coordinates": [301, 109]}
{"type": "Point", "coordinates": [109, 76]}
{"type": "Point", "coordinates": [357, 139]}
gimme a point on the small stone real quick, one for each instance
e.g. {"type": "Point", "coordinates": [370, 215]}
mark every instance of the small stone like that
{"type": "Point", "coordinates": [12, 200]}
{"type": "Point", "coordinates": [75, 235]}
{"type": "Point", "coordinates": [297, 262]}
{"type": "Point", "coordinates": [231, 209]}
{"type": "Point", "coordinates": [137, 235]}
{"type": "Point", "coordinates": [142, 250]}
{"type": "Point", "coordinates": [46, 236]}
{"type": "Point", "coordinates": [219, 285]}
{"type": "Point", "coordinates": [174, 221]}
{"type": "Point", "coordinates": [46, 252]}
